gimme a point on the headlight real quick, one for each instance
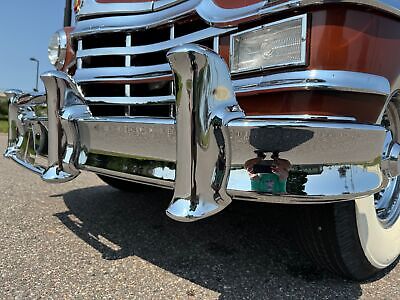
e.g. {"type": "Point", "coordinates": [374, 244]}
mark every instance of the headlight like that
{"type": "Point", "coordinates": [57, 50]}
{"type": "Point", "coordinates": [276, 44]}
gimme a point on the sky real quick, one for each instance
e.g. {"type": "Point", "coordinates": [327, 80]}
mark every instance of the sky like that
{"type": "Point", "coordinates": [25, 30]}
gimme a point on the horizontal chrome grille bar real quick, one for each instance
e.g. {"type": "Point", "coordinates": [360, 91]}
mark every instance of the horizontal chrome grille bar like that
{"type": "Point", "coordinates": [127, 79]}
{"type": "Point", "coordinates": [116, 73]}
{"type": "Point", "coordinates": [190, 38]}
{"type": "Point", "coordinates": [132, 100]}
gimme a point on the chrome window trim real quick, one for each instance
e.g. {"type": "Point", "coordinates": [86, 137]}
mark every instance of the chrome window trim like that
{"type": "Point", "coordinates": [316, 79]}
{"type": "Point", "coordinates": [303, 50]}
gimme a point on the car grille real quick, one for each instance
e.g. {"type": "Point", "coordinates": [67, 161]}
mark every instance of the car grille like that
{"type": "Point", "coordinates": [126, 72]}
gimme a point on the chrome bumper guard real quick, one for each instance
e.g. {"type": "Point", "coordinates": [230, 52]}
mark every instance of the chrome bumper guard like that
{"type": "Point", "coordinates": [210, 154]}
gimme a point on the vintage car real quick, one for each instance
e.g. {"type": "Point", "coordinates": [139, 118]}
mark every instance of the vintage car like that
{"type": "Point", "coordinates": [279, 101]}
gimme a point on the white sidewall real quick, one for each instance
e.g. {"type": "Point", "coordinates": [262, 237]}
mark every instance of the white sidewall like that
{"type": "Point", "coordinates": [381, 245]}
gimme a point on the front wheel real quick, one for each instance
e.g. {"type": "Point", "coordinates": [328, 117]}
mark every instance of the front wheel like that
{"type": "Point", "coordinates": [350, 238]}
{"type": "Point", "coordinates": [356, 239]}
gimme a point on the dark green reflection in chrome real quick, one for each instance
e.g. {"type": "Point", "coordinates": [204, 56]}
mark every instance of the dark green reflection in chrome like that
{"type": "Point", "coordinates": [133, 165]}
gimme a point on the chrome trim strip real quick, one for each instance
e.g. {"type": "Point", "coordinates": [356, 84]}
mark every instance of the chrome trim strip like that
{"type": "Point", "coordinates": [316, 79]}
{"type": "Point", "coordinates": [312, 79]}
{"type": "Point", "coordinates": [303, 47]}
{"type": "Point", "coordinates": [163, 4]}
{"type": "Point", "coordinates": [116, 73]}
{"type": "Point", "coordinates": [132, 100]}
{"type": "Point", "coordinates": [132, 22]}
{"type": "Point", "coordinates": [306, 118]}
{"type": "Point", "coordinates": [190, 38]}
{"type": "Point", "coordinates": [92, 8]}
{"type": "Point", "coordinates": [169, 122]}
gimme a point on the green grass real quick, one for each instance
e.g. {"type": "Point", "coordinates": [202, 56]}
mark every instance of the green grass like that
{"type": "Point", "coordinates": [3, 107]}
{"type": "Point", "coordinates": [3, 126]}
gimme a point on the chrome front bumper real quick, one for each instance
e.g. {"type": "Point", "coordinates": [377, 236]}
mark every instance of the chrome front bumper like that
{"type": "Point", "coordinates": [210, 154]}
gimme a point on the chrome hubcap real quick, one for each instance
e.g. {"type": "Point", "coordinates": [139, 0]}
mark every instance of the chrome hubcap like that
{"type": "Point", "coordinates": [387, 203]}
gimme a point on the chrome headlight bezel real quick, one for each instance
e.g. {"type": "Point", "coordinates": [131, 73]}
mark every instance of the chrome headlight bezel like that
{"type": "Point", "coordinates": [303, 47]}
{"type": "Point", "coordinates": [57, 50]}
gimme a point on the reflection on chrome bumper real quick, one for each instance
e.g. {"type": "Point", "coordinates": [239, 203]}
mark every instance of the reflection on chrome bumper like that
{"type": "Point", "coordinates": [211, 153]}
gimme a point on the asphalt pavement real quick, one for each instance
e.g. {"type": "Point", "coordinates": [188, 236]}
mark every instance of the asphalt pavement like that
{"type": "Point", "coordinates": [85, 240]}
